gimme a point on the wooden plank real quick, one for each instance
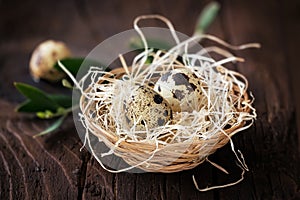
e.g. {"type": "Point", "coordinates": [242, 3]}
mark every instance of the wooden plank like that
{"type": "Point", "coordinates": [53, 167]}
{"type": "Point", "coordinates": [37, 169]}
{"type": "Point", "coordinates": [273, 139]}
{"type": "Point", "coordinates": [290, 30]}
{"type": "Point", "coordinates": [99, 184]}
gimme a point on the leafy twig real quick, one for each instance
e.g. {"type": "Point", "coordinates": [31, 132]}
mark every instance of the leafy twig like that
{"type": "Point", "coordinates": [45, 106]}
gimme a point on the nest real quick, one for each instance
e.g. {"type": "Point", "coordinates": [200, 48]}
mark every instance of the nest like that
{"type": "Point", "coordinates": [188, 138]}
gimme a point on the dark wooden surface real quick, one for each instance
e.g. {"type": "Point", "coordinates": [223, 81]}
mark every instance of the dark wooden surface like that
{"type": "Point", "coordinates": [52, 167]}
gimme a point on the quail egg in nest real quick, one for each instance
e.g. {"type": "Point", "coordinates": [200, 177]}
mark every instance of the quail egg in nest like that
{"type": "Point", "coordinates": [181, 88]}
{"type": "Point", "coordinates": [146, 109]}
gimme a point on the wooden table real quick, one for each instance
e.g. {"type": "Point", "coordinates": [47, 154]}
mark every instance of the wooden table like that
{"type": "Point", "coordinates": [52, 167]}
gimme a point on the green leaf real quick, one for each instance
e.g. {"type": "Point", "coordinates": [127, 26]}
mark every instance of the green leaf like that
{"type": "Point", "coordinates": [206, 17]}
{"type": "Point", "coordinates": [137, 44]}
{"type": "Point", "coordinates": [30, 106]}
{"type": "Point", "coordinates": [37, 98]}
{"type": "Point", "coordinates": [63, 100]}
{"type": "Point", "coordinates": [39, 101]}
{"type": "Point", "coordinates": [52, 127]}
{"type": "Point", "coordinates": [74, 64]}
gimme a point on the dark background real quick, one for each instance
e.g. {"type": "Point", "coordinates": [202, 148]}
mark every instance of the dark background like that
{"type": "Point", "coordinates": [52, 166]}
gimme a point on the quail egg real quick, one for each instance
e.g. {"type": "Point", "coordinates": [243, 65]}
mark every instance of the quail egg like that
{"type": "Point", "coordinates": [43, 59]}
{"type": "Point", "coordinates": [146, 108]}
{"type": "Point", "coordinates": [181, 88]}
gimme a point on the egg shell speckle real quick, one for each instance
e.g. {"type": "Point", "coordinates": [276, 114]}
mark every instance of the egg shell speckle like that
{"type": "Point", "coordinates": [148, 107]}
{"type": "Point", "coordinates": [181, 88]}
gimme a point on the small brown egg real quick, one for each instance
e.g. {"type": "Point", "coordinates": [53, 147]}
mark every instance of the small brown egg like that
{"type": "Point", "coordinates": [181, 88]}
{"type": "Point", "coordinates": [43, 59]}
{"type": "Point", "coordinates": [147, 108]}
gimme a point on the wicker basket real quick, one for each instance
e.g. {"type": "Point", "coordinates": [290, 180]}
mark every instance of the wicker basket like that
{"type": "Point", "coordinates": [167, 158]}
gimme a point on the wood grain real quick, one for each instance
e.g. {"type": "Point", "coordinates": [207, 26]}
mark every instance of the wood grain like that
{"type": "Point", "coordinates": [52, 167]}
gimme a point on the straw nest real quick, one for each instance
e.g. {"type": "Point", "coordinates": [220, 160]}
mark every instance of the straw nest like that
{"type": "Point", "coordinates": [188, 137]}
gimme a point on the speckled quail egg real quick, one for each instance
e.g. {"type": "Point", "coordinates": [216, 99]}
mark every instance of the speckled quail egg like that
{"type": "Point", "coordinates": [43, 59]}
{"type": "Point", "coordinates": [146, 107]}
{"type": "Point", "coordinates": [181, 88]}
